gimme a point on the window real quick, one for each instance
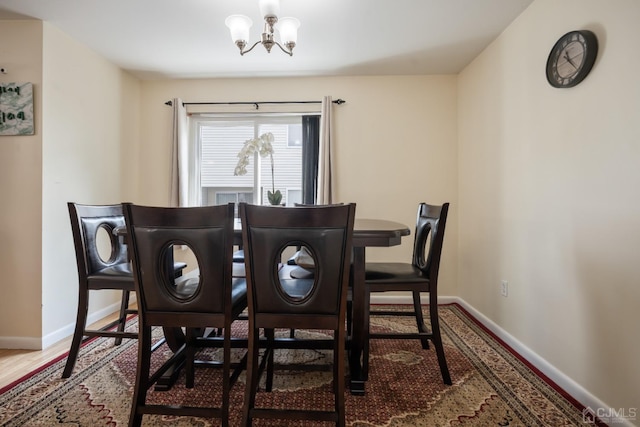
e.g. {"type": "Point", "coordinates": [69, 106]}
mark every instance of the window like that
{"type": "Point", "coordinates": [216, 142]}
{"type": "Point", "coordinates": [224, 197]}
{"type": "Point", "coordinates": [294, 195]}
{"type": "Point", "coordinates": [294, 136]}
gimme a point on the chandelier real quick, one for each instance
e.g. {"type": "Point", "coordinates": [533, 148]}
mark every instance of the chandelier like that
{"type": "Point", "coordinates": [239, 26]}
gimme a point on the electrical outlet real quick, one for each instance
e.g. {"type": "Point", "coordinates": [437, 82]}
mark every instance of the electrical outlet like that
{"type": "Point", "coordinates": [504, 288]}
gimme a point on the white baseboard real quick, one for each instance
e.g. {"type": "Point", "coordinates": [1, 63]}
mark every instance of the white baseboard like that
{"type": "Point", "coordinates": [37, 343]}
{"type": "Point", "coordinates": [67, 330]}
{"type": "Point", "coordinates": [574, 389]}
{"type": "Point", "coordinates": [22, 343]}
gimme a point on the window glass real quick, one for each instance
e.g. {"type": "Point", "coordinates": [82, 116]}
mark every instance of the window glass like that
{"type": "Point", "coordinates": [216, 147]}
{"type": "Point", "coordinates": [294, 195]}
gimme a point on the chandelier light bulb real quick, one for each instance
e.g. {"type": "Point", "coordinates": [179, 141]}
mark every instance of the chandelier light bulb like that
{"type": "Point", "coordinates": [269, 8]}
{"type": "Point", "coordinates": [288, 28]}
{"type": "Point", "coordinates": [239, 26]}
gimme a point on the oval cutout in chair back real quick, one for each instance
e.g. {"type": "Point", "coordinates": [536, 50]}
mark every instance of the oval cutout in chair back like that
{"type": "Point", "coordinates": [187, 286]}
{"type": "Point", "coordinates": [104, 241]}
{"type": "Point", "coordinates": [423, 243]}
{"type": "Point", "coordinates": [295, 282]}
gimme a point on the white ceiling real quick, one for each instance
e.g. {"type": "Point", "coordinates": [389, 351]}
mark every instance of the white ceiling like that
{"type": "Point", "coordinates": [188, 38]}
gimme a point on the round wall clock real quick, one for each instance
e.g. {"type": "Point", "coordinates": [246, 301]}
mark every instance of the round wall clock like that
{"type": "Point", "coordinates": [572, 58]}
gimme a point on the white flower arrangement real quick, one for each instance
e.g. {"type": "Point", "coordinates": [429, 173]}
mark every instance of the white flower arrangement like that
{"type": "Point", "coordinates": [263, 145]}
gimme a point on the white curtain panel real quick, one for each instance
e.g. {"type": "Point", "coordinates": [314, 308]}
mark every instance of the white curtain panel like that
{"type": "Point", "coordinates": [180, 156]}
{"type": "Point", "coordinates": [325, 182]}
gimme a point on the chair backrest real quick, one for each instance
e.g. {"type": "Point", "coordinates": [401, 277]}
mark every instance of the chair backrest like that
{"type": "Point", "coordinates": [326, 232]}
{"type": "Point", "coordinates": [86, 222]}
{"type": "Point", "coordinates": [429, 237]}
{"type": "Point", "coordinates": [208, 233]}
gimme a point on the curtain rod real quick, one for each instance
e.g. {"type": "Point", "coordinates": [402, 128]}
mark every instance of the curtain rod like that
{"type": "Point", "coordinates": [256, 104]}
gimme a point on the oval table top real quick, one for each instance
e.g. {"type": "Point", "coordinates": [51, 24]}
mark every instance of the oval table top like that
{"type": "Point", "coordinates": [378, 232]}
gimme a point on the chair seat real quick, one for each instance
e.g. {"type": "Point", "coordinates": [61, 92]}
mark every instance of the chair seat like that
{"type": "Point", "coordinates": [118, 276]}
{"type": "Point", "coordinates": [393, 272]}
{"type": "Point", "coordinates": [238, 292]}
{"type": "Point", "coordinates": [302, 258]}
{"type": "Point", "coordinates": [294, 282]}
{"type": "Point", "coordinates": [238, 256]}
{"type": "Point", "coordinates": [187, 286]}
{"type": "Point", "coordinates": [120, 270]}
{"type": "Point", "coordinates": [238, 269]}
{"type": "Point", "coordinates": [301, 273]}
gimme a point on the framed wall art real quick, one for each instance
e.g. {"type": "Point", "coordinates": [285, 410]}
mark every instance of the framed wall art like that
{"type": "Point", "coordinates": [16, 109]}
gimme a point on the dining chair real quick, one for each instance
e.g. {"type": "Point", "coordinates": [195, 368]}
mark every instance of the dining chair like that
{"type": "Point", "coordinates": [103, 264]}
{"type": "Point", "coordinates": [277, 300]}
{"type": "Point", "coordinates": [421, 275]}
{"type": "Point", "coordinates": [206, 297]}
{"type": "Point", "coordinates": [302, 260]}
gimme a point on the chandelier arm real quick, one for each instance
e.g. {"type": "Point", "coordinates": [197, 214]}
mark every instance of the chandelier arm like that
{"type": "Point", "coordinates": [288, 52]}
{"type": "Point", "coordinates": [242, 52]}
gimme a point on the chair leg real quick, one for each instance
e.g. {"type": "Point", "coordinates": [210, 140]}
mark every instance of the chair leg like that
{"type": "Point", "coordinates": [338, 376]}
{"type": "Point", "coordinates": [122, 320]}
{"type": "Point", "coordinates": [252, 378]}
{"type": "Point", "coordinates": [226, 376]}
{"type": "Point", "coordinates": [190, 354]}
{"type": "Point", "coordinates": [437, 339]}
{"type": "Point", "coordinates": [349, 317]}
{"type": "Point", "coordinates": [142, 376]}
{"type": "Point", "coordinates": [367, 339]}
{"type": "Point", "coordinates": [270, 335]}
{"type": "Point", "coordinates": [422, 328]}
{"type": "Point", "coordinates": [81, 320]}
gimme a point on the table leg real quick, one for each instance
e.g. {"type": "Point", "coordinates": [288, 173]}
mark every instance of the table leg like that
{"type": "Point", "coordinates": [175, 339]}
{"type": "Point", "coordinates": [358, 327]}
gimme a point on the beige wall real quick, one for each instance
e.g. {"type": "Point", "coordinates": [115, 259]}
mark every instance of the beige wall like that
{"type": "Point", "coordinates": [87, 115]}
{"type": "Point", "coordinates": [90, 126]}
{"type": "Point", "coordinates": [548, 195]}
{"type": "Point", "coordinates": [395, 143]}
{"type": "Point", "coordinates": [21, 193]}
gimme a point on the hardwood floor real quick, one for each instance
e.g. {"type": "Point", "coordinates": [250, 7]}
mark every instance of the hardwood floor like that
{"type": "Point", "coordinates": [14, 364]}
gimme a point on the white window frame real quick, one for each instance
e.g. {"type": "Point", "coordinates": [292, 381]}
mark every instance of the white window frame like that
{"type": "Point", "coordinates": [199, 120]}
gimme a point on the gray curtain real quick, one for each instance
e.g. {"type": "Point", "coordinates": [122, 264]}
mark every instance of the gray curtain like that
{"type": "Point", "coordinates": [310, 143]}
{"type": "Point", "coordinates": [179, 195]}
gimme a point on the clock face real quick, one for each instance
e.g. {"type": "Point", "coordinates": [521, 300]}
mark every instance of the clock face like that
{"type": "Point", "coordinates": [571, 58]}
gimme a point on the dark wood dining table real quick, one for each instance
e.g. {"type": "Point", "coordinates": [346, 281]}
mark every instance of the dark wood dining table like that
{"type": "Point", "coordinates": [366, 233]}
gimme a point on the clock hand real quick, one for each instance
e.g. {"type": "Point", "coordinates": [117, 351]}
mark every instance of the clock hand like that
{"type": "Point", "coordinates": [566, 56]}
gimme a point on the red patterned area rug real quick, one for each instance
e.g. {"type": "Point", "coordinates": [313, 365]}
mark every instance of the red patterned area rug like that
{"type": "Point", "coordinates": [491, 386]}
